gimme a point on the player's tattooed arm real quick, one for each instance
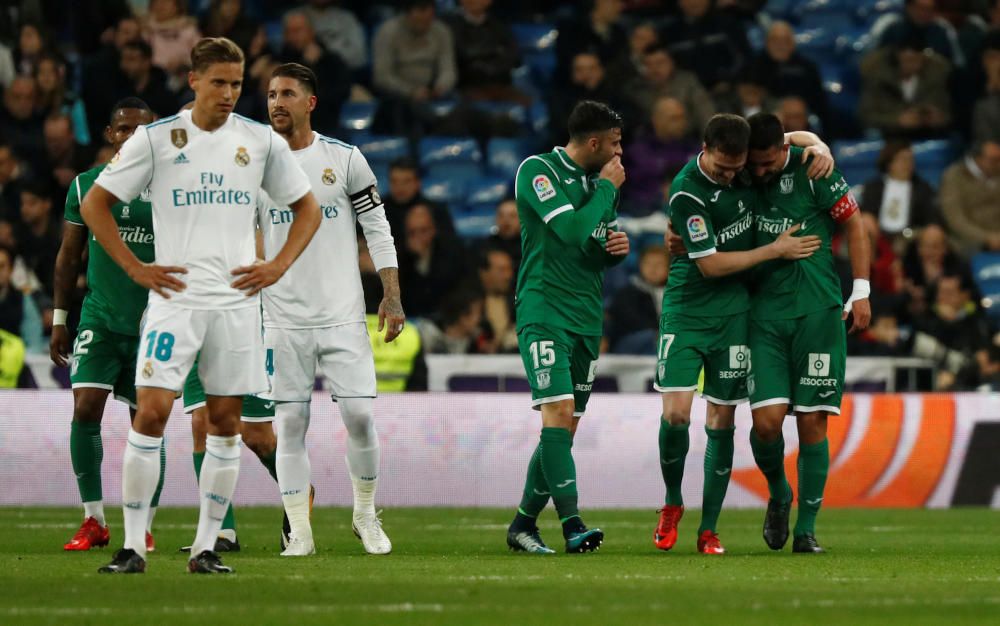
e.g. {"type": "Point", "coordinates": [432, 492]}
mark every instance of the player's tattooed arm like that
{"type": "Point", "coordinates": [390, 311]}
{"type": "Point", "coordinates": [74, 238]}
{"type": "Point", "coordinates": [822, 159]}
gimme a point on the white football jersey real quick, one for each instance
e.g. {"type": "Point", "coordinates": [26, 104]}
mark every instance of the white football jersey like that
{"type": "Point", "coordinates": [323, 287]}
{"type": "Point", "coordinates": [204, 189]}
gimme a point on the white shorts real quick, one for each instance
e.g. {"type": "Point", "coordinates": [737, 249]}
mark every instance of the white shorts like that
{"type": "Point", "coordinates": [232, 350]}
{"type": "Point", "coordinates": [344, 355]}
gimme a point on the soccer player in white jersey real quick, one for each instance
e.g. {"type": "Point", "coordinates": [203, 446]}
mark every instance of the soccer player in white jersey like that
{"type": "Point", "coordinates": [204, 169]}
{"type": "Point", "coordinates": [316, 314]}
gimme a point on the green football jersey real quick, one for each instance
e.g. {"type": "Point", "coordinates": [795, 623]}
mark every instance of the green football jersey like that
{"type": "Point", "coordinates": [113, 300]}
{"type": "Point", "coordinates": [565, 216]}
{"type": "Point", "coordinates": [790, 289]}
{"type": "Point", "coordinates": [710, 218]}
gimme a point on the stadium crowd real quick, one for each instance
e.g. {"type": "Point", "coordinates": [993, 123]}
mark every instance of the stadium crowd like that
{"type": "Point", "coordinates": [445, 98]}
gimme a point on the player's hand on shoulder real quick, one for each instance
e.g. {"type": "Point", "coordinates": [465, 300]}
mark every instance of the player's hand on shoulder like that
{"type": "Point", "coordinates": [59, 345]}
{"type": "Point", "coordinates": [617, 244]}
{"type": "Point", "coordinates": [158, 278]}
{"type": "Point", "coordinates": [391, 317]}
{"type": "Point", "coordinates": [822, 161]}
{"type": "Point", "coordinates": [253, 278]}
{"type": "Point", "coordinates": [791, 248]}
{"type": "Point", "coordinates": [614, 171]}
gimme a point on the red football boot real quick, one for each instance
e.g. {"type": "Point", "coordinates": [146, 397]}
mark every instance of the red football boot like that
{"type": "Point", "coordinates": [708, 543]}
{"type": "Point", "coordinates": [666, 530]}
{"type": "Point", "coordinates": [150, 544]}
{"type": "Point", "coordinates": [90, 535]}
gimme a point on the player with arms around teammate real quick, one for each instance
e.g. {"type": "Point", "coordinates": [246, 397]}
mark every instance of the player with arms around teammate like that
{"type": "Point", "coordinates": [797, 336]}
{"type": "Point", "coordinates": [567, 201]}
{"type": "Point", "coordinates": [704, 319]}
{"type": "Point", "coordinates": [316, 314]}
{"type": "Point", "coordinates": [204, 169]}
{"type": "Point", "coordinates": [107, 339]}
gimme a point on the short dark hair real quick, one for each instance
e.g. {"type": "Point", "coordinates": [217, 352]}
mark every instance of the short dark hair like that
{"type": "Point", "coordinates": [457, 304]}
{"type": "Point", "coordinates": [484, 256]}
{"type": "Point", "coordinates": [211, 50]}
{"type": "Point", "coordinates": [590, 117]}
{"type": "Point", "coordinates": [766, 131]}
{"type": "Point", "coordinates": [405, 163]}
{"type": "Point", "coordinates": [727, 133]}
{"type": "Point", "coordinates": [656, 47]}
{"type": "Point", "coordinates": [301, 73]}
{"type": "Point", "coordinates": [38, 188]}
{"type": "Point", "coordinates": [141, 46]}
{"type": "Point", "coordinates": [130, 102]}
{"type": "Point", "coordinates": [889, 152]}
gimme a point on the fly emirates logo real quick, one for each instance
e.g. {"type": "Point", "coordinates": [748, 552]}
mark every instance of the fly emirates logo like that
{"type": "Point", "coordinates": [212, 192]}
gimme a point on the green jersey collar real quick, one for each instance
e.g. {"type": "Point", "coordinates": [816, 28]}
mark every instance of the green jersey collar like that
{"type": "Point", "coordinates": [566, 161]}
{"type": "Point", "coordinates": [704, 173]}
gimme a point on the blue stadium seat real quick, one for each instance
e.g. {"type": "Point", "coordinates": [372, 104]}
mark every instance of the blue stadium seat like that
{"type": "Point", "coordinates": [868, 11]}
{"type": "Point", "coordinates": [539, 116]}
{"type": "Point", "coordinates": [816, 43]}
{"type": "Point", "coordinates": [513, 110]}
{"type": "Point", "coordinates": [383, 148]}
{"type": "Point", "coordinates": [504, 155]}
{"type": "Point", "coordinates": [356, 116]}
{"type": "Point", "coordinates": [778, 9]}
{"type": "Point", "coordinates": [475, 223]}
{"type": "Point", "coordinates": [986, 271]}
{"type": "Point", "coordinates": [932, 157]}
{"type": "Point", "coordinates": [532, 36]}
{"type": "Point", "coordinates": [485, 193]}
{"type": "Point", "coordinates": [857, 160]}
{"type": "Point", "coordinates": [448, 190]}
{"type": "Point", "coordinates": [458, 157]}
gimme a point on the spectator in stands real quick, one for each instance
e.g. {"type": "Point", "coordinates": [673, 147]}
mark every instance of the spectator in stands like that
{"type": "Point", "coordinates": [664, 145]}
{"type": "Point", "coordinates": [339, 31]}
{"type": "Point", "coordinates": [405, 192]}
{"type": "Point", "coordinates": [171, 34]}
{"type": "Point", "coordinates": [430, 266]}
{"type": "Point", "coordinates": [886, 268]}
{"type": "Point", "coordinates": [598, 29]}
{"type": "Point", "coordinates": [32, 43]}
{"type": "Point", "coordinates": [506, 232]}
{"type": "Point", "coordinates": [970, 198]}
{"type": "Point", "coordinates": [950, 333]}
{"type": "Point", "coordinates": [54, 98]}
{"type": "Point", "coordinates": [66, 157]}
{"type": "Point", "coordinates": [18, 313]}
{"type": "Point", "coordinates": [794, 114]}
{"type": "Point", "coordinates": [905, 91]}
{"type": "Point", "coordinates": [884, 336]}
{"type": "Point", "coordinates": [986, 114]}
{"type": "Point", "coordinates": [93, 23]}
{"type": "Point", "coordinates": [899, 198]}
{"type": "Point", "coordinates": [926, 260]}
{"type": "Point", "coordinates": [38, 234]}
{"type": "Point", "coordinates": [485, 53]}
{"type": "Point", "coordinates": [988, 361]}
{"type": "Point", "coordinates": [642, 37]}
{"type": "Point", "coordinates": [712, 45]}
{"type": "Point", "coordinates": [13, 173]}
{"type": "Point", "coordinates": [226, 18]}
{"type": "Point", "coordinates": [587, 82]}
{"type": "Point", "coordinates": [919, 19]}
{"type": "Point", "coordinates": [144, 80]}
{"type": "Point", "coordinates": [661, 77]}
{"type": "Point", "coordinates": [496, 280]}
{"type": "Point", "coordinates": [333, 78]}
{"type": "Point", "coordinates": [749, 97]}
{"type": "Point", "coordinates": [103, 79]}
{"type": "Point", "coordinates": [457, 328]}
{"type": "Point", "coordinates": [414, 63]}
{"type": "Point", "coordinates": [19, 124]}
{"type": "Point", "coordinates": [785, 72]}
{"type": "Point", "coordinates": [633, 318]}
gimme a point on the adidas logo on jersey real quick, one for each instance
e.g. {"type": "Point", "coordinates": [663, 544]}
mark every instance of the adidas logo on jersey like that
{"type": "Point", "coordinates": [181, 159]}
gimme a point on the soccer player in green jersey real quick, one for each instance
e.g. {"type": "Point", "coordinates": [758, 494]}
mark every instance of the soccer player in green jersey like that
{"type": "Point", "coordinates": [566, 200]}
{"type": "Point", "coordinates": [103, 356]}
{"type": "Point", "coordinates": [797, 334]}
{"type": "Point", "coordinates": [704, 320]}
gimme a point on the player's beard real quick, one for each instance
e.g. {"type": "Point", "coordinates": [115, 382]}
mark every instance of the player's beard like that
{"type": "Point", "coordinates": [768, 178]}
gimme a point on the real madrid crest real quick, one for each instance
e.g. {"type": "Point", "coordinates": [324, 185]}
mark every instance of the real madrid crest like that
{"type": "Point", "coordinates": [147, 370]}
{"type": "Point", "coordinates": [179, 137]}
{"type": "Point", "coordinates": [329, 177]}
{"type": "Point", "coordinates": [242, 157]}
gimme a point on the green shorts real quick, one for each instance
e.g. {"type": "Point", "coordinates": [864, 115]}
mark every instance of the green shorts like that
{"type": "Point", "coordinates": [255, 409]}
{"type": "Point", "coordinates": [717, 344]}
{"type": "Point", "coordinates": [103, 359]}
{"type": "Point", "coordinates": [799, 362]}
{"type": "Point", "coordinates": [560, 365]}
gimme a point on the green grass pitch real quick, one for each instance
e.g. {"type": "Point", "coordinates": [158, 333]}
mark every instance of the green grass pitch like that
{"type": "Point", "coordinates": [450, 566]}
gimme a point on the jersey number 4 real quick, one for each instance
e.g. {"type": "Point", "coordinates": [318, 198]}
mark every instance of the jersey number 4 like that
{"type": "Point", "coordinates": [159, 345]}
{"type": "Point", "coordinates": [542, 354]}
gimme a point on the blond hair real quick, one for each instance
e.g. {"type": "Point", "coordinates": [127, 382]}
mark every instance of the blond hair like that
{"type": "Point", "coordinates": [211, 50]}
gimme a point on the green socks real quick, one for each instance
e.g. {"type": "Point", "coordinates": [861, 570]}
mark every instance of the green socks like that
{"type": "Point", "coordinates": [560, 471]}
{"type": "Point", "coordinates": [814, 464]}
{"type": "Point", "coordinates": [718, 468]}
{"type": "Point", "coordinates": [270, 463]}
{"type": "Point", "coordinates": [536, 489]}
{"type": "Point", "coordinates": [229, 521]}
{"type": "Point", "coordinates": [770, 458]}
{"type": "Point", "coordinates": [674, 443]}
{"type": "Point", "coordinates": [163, 472]}
{"type": "Point", "coordinates": [87, 452]}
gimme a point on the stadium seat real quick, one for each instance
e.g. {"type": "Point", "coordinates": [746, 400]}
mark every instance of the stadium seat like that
{"type": "Point", "coordinates": [448, 190]}
{"type": "Point", "coordinates": [457, 157]}
{"type": "Point", "coordinates": [531, 36]}
{"type": "Point", "coordinates": [475, 223]}
{"type": "Point", "coordinates": [513, 110]}
{"type": "Point", "coordinates": [932, 157]}
{"type": "Point", "coordinates": [986, 271]}
{"type": "Point", "coordinates": [816, 43]}
{"type": "Point", "coordinates": [504, 155]}
{"type": "Point", "coordinates": [383, 148]}
{"type": "Point", "coordinates": [356, 116]}
{"type": "Point", "coordinates": [832, 15]}
{"type": "Point", "coordinates": [485, 193]}
{"type": "Point", "coordinates": [538, 114]}
{"type": "Point", "coordinates": [857, 160]}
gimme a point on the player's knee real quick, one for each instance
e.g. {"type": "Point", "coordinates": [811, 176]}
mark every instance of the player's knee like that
{"type": "Point", "coordinates": [812, 427]}
{"type": "Point", "coordinates": [767, 430]}
{"type": "Point", "coordinates": [558, 414]}
{"type": "Point", "coordinates": [87, 408]}
{"type": "Point", "coordinates": [149, 421]}
{"type": "Point", "coordinates": [359, 420]}
{"type": "Point", "coordinates": [259, 438]}
{"type": "Point", "coordinates": [676, 417]}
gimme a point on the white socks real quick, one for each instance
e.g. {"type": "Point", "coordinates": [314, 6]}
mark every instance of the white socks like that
{"type": "Point", "coordinates": [219, 472]}
{"type": "Point", "coordinates": [140, 473]}
{"type": "Point", "coordinates": [292, 464]}
{"type": "Point", "coordinates": [363, 452]}
{"type": "Point", "coordinates": [149, 520]}
{"type": "Point", "coordinates": [95, 509]}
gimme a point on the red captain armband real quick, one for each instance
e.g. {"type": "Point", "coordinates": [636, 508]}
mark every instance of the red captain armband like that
{"type": "Point", "coordinates": [844, 208]}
